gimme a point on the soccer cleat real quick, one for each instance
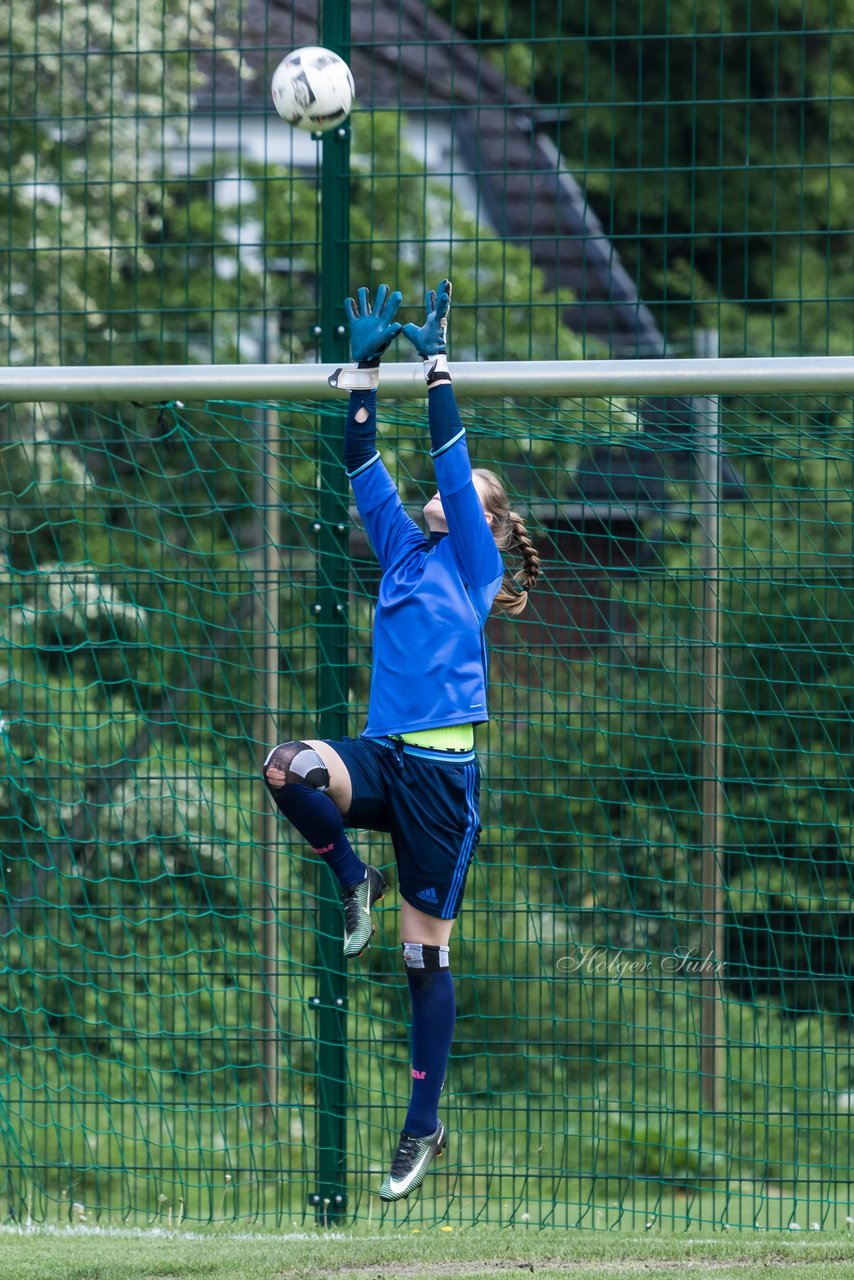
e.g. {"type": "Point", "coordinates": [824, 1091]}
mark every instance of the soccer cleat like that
{"type": "Point", "coordinates": [410, 1163]}
{"type": "Point", "coordinates": [358, 927]}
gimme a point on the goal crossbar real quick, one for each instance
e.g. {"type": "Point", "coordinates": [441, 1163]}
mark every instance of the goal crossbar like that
{"type": "Point", "coordinates": [151, 384]}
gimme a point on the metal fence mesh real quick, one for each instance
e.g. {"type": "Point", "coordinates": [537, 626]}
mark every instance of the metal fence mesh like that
{"type": "Point", "coordinates": [594, 178]}
{"type": "Point", "coordinates": [161, 1041]}
{"type": "Point", "coordinates": [671, 732]}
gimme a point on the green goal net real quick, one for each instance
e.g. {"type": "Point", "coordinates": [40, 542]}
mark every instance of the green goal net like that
{"type": "Point", "coordinates": [653, 958]}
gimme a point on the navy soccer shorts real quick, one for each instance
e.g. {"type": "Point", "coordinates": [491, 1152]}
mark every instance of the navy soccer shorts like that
{"type": "Point", "coordinates": [429, 803]}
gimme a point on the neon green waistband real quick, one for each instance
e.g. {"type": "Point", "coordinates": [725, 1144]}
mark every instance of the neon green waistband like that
{"type": "Point", "coordinates": [455, 737]}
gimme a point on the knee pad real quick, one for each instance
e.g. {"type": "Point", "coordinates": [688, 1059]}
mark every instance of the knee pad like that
{"type": "Point", "coordinates": [300, 763]}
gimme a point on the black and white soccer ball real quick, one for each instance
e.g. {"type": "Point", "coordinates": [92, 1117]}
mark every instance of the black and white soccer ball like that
{"type": "Point", "coordinates": [313, 89]}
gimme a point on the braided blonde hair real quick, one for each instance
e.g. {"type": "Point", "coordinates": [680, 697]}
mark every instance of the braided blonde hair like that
{"type": "Point", "coordinates": [508, 529]}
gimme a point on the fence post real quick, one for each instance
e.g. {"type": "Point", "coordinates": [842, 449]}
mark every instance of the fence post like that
{"type": "Point", "coordinates": [712, 1028]}
{"type": "Point", "coordinates": [329, 1196]}
{"type": "Point", "coordinates": [267, 701]}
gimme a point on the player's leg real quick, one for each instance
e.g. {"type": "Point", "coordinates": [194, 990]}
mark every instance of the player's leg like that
{"type": "Point", "coordinates": [427, 957]}
{"type": "Point", "coordinates": [433, 870]}
{"type": "Point", "coordinates": [312, 785]}
{"type": "Point", "coordinates": [434, 1014]}
{"type": "Point", "coordinates": [299, 776]}
{"type": "Point", "coordinates": [339, 788]}
{"type": "Point", "coordinates": [417, 926]}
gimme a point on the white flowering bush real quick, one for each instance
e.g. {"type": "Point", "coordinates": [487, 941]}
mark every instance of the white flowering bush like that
{"type": "Point", "coordinates": [72, 601]}
{"type": "Point", "coordinates": [161, 822]}
{"type": "Point", "coordinates": [90, 93]}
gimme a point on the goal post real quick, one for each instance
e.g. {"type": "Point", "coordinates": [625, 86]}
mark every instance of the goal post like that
{"type": "Point", "coordinates": [484, 380]}
{"type": "Point", "coordinates": [665, 766]}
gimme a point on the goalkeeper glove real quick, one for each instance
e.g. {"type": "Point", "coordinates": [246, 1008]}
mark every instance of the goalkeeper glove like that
{"type": "Point", "coordinates": [372, 332]}
{"type": "Point", "coordinates": [430, 338]}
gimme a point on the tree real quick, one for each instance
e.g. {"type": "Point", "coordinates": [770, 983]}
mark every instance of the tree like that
{"type": "Point", "coordinates": [90, 91]}
{"type": "Point", "coordinates": [715, 147]}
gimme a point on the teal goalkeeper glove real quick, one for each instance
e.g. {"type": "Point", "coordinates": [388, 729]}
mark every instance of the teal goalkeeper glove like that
{"type": "Point", "coordinates": [372, 332]}
{"type": "Point", "coordinates": [430, 338]}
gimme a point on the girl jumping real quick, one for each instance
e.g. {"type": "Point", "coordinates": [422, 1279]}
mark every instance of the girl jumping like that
{"type": "Point", "coordinates": [413, 772]}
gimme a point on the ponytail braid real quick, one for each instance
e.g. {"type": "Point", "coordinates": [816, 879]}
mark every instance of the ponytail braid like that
{"type": "Point", "coordinates": [511, 535]}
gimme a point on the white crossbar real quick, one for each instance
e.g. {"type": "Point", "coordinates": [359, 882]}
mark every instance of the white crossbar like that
{"type": "Point", "coordinates": [622, 378]}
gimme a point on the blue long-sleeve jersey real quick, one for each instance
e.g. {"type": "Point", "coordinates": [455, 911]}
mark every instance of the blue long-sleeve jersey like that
{"type": "Point", "coordinates": [430, 664]}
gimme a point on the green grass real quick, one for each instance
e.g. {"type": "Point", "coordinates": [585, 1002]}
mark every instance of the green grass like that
{"type": "Point", "coordinates": [85, 1253]}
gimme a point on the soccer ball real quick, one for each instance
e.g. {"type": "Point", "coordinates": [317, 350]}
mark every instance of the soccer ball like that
{"type": "Point", "coordinates": [313, 89]}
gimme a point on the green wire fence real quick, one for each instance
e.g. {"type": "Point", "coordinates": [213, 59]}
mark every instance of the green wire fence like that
{"type": "Point", "coordinates": [166, 956]}
{"type": "Point", "coordinates": [593, 177]}
{"type": "Point", "coordinates": [654, 960]}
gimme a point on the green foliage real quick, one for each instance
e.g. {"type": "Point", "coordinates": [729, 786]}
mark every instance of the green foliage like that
{"type": "Point", "coordinates": [132, 805]}
{"type": "Point", "coordinates": [712, 144]}
{"type": "Point", "coordinates": [78, 172]}
{"type": "Point", "coordinates": [399, 217]}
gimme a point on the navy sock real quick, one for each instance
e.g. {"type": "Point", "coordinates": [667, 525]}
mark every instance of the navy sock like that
{"type": "Point", "coordinates": [434, 1015]}
{"type": "Point", "coordinates": [317, 818]}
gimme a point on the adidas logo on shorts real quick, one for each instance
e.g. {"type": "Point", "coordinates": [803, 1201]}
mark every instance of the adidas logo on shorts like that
{"type": "Point", "coordinates": [429, 895]}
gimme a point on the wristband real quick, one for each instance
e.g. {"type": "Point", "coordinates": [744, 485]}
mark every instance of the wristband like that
{"type": "Point", "coordinates": [436, 369]}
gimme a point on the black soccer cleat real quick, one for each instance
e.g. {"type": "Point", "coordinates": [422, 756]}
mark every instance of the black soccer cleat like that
{"type": "Point", "coordinates": [410, 1162]}
{"type": "Point", "coordinates": [358, 926]}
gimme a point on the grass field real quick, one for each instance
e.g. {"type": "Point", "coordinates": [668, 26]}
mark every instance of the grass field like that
{"type": "Point", "coordinates": [92, 1253]}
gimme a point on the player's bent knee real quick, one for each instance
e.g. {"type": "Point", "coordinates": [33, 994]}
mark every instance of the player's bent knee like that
{"type": "Point", "coordinates": [423, 930]}
{"type": "Point", "coordinates": [295, 762]}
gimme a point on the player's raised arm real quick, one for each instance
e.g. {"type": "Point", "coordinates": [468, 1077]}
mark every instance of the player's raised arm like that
{"type": "Point", "coordinates": [475, 550]}
{"type": "Point", "coordinates": [372, 330]}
